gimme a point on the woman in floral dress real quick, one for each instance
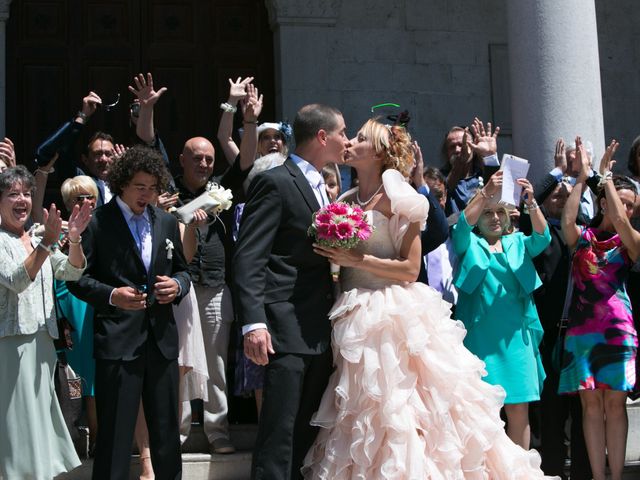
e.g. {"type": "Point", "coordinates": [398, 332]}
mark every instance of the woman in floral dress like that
{"type": "Point", "coordinates": [601, 342]}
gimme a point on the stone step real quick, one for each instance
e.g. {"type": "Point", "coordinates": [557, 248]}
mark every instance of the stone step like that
{"type": "Point", "coordinates": [197, 463]}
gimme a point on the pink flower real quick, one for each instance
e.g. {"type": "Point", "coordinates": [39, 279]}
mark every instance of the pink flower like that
{"type": "Point", "coordinates": [364, 232]}
{"type": "Point", "coordinates": [338, 208]}
{"type": "Point", "coordinates": [344, 230]}
{"type": "Point", "coordinates": [323, 232]}
{"type": "Point", "coordinates": [323, 218]}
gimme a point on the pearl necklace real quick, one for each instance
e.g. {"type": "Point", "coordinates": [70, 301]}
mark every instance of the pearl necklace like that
{"type": "Point", "coordinates": [363, 204]}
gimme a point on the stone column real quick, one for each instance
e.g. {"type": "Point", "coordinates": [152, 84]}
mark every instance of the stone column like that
{"type": "Point", "coordinates": [301, 33]}
{"type": "Point", "coordinates": [555, 78]}
{"type": "Point", "coordinates": [4, 16]}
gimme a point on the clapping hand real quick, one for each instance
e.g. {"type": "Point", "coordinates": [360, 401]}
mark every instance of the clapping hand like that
{"type": "Point", "coordinates": [8, 152]}
{"type": "Point", "coordinates": [607, 162]}
{"type": "Point", "coordinates": [144, 90]}
{"type": "Point", "coordinates": [52, 222]}
{"type": "Point", "coordinates": [167, 200]}
{"type": "Point", "coordinates": [582, 161]}
{"type": "Point", "coordinates": [78, 221]}
{"type": "Point", "coordinates": [484, 142]}
{"type": "Point", "coordinates": [560, 156]}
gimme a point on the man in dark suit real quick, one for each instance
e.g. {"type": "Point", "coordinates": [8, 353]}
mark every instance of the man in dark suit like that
{"type": "Point", "coordinates": [284, 292]}
{"type": "Point", "coordinates": [135, 271]}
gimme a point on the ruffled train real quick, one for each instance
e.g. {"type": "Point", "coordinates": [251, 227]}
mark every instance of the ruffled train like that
{"type": "Point", "coordinates": [406, 400]}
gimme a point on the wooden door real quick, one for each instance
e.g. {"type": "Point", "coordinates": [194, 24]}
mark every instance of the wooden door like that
{"type": "Point", "coordinates": [59, 50]}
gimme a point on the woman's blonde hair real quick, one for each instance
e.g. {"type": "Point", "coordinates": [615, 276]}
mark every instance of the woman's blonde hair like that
{"type": "Point", "coordinates": [393, 142]}
{"type": "Point", "coordinates": [73, 186]}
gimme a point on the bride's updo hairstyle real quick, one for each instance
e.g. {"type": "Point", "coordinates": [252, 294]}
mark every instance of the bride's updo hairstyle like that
{"type": "Point", "coordinates": [393, 142]}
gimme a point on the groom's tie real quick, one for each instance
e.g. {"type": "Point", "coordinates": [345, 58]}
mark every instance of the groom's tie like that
{"type": "Point", "coordinates": [317, 182]}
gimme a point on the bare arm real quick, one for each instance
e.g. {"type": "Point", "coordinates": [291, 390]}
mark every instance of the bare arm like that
{"type": "Point", "coordinates": [404, 268]}
{"type": "Point", "coordinates": [41, 175]}
{"type": "Point", "coordinates": [617, 210]}
{"type": "Point", "coordinates": [188, 234]}
{"type": "Point", "coordinates": [570, 230]}
{"type": "Point", "coordinates": [538, 222]}
{"type": "Point", "coordinates": [249, 144]}
{"type": "Point", "coordinates": [237, 91]}
{"type": "Point", "coordinates": [148, 97]}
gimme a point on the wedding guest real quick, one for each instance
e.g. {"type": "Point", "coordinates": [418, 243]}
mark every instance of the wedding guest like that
{"type": "Point", "coordinates": [78, 191]}
{"type": "Point", "coordinates": [34, 440]}
{"type": "Point", "coordinates": [331, 177]}
{"type": "Point", "coordinates": [495, 282]}
{"type": "Point", "coordinates": [600, 346]}
{"type": "Point", "coordinates": [135, 271]}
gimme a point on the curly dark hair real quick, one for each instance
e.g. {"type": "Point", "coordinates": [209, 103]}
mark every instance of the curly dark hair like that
{"type": "Point", "coordinates": [17, 174]}
{"type": "Point", "coordinates": [139, 158]}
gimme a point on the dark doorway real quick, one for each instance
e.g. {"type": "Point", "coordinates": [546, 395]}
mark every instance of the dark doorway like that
{"type": "Point", "coordinates": [59, 50]}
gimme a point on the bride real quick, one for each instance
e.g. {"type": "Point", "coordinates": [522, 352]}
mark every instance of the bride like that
{"type": "Point", "coordinates": [406, 400]}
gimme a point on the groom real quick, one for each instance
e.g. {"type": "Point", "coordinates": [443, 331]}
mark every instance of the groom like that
{"type": "Point", "coordinates": [284, 292]}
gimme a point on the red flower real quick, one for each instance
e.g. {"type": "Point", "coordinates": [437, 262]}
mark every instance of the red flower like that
{"type": "Point", "coordinates": [344, 230]}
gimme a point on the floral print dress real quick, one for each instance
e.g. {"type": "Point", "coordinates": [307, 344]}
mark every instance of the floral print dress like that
{"type": "Point", "coordinates": [601, 342]}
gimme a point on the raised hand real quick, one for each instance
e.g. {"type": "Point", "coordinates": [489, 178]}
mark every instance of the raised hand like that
{"type": "Point", "coordinates": [52, 222]}
{"type": "Point", "coordinates": [417, 175]}
{"type": "Point", "coordinates": [527, 191]}
{"type": "Point", "coordinates": [79, 219]}
{"type": "Point", "coordinates": [238, 89]}
{"type": "Point", "coordinates": [484, 142]}
{"type": "Point", "coordinates": [494, 185]}
{"type": "Point", "coordinates": [90, 104]}
{"type": "Point", "coordinates": [8, 152]}
{"type": "Point", "coordinates": [119, 150]}
{"type": "Point", "coordinates": [560, 156]}
{"type": "Point", "coordinates": [607, 162]}
{"type": "Point", "coordinates": [144, 90]}
{"type": "Point", "coordinates": [582, 160]}
{"type": "Point", "coordinates": [252, 104]}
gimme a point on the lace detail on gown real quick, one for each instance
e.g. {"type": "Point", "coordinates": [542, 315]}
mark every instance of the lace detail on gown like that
{"type": "Point", "coordinates": [406, 400]}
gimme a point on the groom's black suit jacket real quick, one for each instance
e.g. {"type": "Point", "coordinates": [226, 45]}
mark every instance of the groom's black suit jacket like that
{"type": "Point", "coordinates": [278, 278]}
{"type": "Point", "coordinates": [113, 261]}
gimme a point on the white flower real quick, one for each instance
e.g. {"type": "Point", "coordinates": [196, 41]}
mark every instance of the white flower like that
{"type": "Point", "coordinates": [169, 249]}
{"type": "Point", "coordinates": [223, 196]}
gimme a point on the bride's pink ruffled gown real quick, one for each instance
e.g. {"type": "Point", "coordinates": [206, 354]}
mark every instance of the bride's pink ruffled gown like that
{"type": "Point", "coordinates": [407, 400]}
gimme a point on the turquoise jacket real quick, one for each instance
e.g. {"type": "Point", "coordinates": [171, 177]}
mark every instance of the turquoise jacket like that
{"type": "Point", "coordinates": [476, 293]}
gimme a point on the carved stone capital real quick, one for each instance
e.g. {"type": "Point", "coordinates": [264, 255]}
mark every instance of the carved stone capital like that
{"type": "Point", "coordinates": [318, 13]}
{"type": "Point", "coordinates": [4, 10]}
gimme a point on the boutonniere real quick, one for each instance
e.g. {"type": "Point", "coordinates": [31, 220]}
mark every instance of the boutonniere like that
{"type": "Point", "coordinates": [169, 249]}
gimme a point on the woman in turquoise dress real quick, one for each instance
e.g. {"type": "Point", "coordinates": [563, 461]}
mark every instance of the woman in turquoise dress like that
{"type": "Point", "coordinates": [77, 191]}
{"type": "Point", "coordinates": [599, 358]}
{"type": "Point", "coordinates": [496, 280]}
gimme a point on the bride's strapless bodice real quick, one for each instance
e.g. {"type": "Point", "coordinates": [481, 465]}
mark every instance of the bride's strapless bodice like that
{"type": "Point", "coordinates": [379, 244]}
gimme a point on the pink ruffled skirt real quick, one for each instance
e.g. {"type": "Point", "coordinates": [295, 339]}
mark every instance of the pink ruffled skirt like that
{"type": "Point", "coordinates": [407, 400]}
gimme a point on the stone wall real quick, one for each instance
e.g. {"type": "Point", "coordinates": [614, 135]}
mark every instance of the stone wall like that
{"type": "Point", "coordinates": [444, 60]}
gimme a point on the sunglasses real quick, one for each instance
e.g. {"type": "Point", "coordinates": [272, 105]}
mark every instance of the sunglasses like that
{"type": "Point", "coordinates": [82, 198]}
{"type": "Point", "coordinates": [110, 106]}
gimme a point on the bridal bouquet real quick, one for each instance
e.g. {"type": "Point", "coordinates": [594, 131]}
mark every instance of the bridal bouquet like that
{"type": "Point", "coordinates": [213, 200]}
{"type": "Point", "coordinates": [339, 225]}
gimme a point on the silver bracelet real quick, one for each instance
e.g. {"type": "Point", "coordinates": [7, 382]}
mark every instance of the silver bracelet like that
{"type": "Point", "coordinates": [534, 206]}
{"type": "Point", "coordinates": [605, 178]}
{"type": "Point", "coordinates": [227, 107]}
